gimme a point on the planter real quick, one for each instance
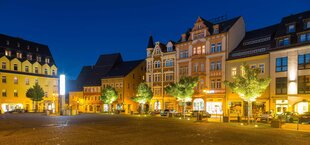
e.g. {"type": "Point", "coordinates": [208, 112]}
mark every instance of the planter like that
{"type": "Point", "coordinates": [276, 124]}
{"type": "Point", "coordinates": [225, 119]}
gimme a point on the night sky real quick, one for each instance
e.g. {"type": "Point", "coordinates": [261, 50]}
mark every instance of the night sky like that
{"type": "Point", "coordinates": [78, 31]}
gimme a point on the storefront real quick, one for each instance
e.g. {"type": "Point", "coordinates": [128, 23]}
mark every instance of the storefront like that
{"type": "Point", "coordinates": [235, 108]}
{"type": "Point", "coordinates": [281, 106]}
{"type": "Point", "coordinates": [214, 106]}
{"type": "Point", "coordinates": [198, 104]}
{"type": "Point", "coordinates": [157, 105]}
{"type": "Point", "coordinates": [6, 107]}
{"type": "Point", "coordinates": [301, 107]}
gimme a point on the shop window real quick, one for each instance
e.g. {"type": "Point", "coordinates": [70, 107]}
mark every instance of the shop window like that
{"type": "Point", "coordinates": [198, 104]}
{"type": "Point", "coordinates": [301, 107]}
{"type": "Point", "coordinates": [214, 107]}
{"type": "Point", "coordinates": [281, 106]}
{"type": "Point", "coordinates": [235, 108]}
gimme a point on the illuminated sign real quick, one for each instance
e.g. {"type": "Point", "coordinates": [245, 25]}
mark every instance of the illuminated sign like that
{"type": "Point", "coordinates": [62, 85]}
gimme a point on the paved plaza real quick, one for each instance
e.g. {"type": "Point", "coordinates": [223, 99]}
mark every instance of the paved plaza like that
{"type": "Point", "coordinates": [21, 129]}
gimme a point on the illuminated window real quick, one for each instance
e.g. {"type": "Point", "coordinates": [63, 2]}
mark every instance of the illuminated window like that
{"type": "Point", "coordinates": [19, 55]}
{"type": "Point", "coordinates": [233, 71]}
{"type": "Point", "coordinates": [39, 59]}
{"type": "Point", "coordinates": [27, 81]}
{"type": "Point", "coordinates": [218, 84]}
{"type": "Point", "coordinates": [47, 60]}
{"type": "Point", "coordinates": [3, 65]}
{"type": "Point", "coordinates": [212, 84]}
{"type": "Point", "coordinates": [45, 72]}
{"type": "Point", "coordinates": [15, 80]}
{"type": "Point", "coordinates": [212, 66]}
{"type": "Point", "coordinates": [198, 104]}
{"type": "Point", "coordinates": [198, 50]}
{"type": "Point", "coordinates": [36, 70]}
{"type": "Point", "coordinates": [304, 37]}
{"type": "Point", "coordinates": [195, 67]}
{"type": "Point", "coordinates": [7, 53]}
{"type": "Point", "coordinates": [307, 24]}
{"type": "Point", "coordinates": [29, 56]}
{"type": "Point", "coordinates": [219, 47]}
{"type": "Point", "coordinates": [203, 49]}
{"type": "Point", "coordinates": [212, 48]}
{"type": "Point", "coordinates": [15, 93]}
{"type": "Point", "coordinates": [3, 93]}
{"type": "Point", "coordinates": [284, 42]}
{"type": "Point", "coordinates": [219, 65]}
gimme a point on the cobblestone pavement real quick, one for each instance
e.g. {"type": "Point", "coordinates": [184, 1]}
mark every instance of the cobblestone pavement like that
{"type": "Point", "coordinates": [90, 129]}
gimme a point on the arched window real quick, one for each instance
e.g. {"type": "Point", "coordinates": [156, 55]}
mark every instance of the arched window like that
{"type": "Point", "coordinates": [157, 64]}
{"type": "Point", "coordinates": [198, 104]}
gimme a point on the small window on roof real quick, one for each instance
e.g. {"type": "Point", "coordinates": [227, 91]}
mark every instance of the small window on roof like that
{"type": "Point", "coordinates": [7, 42]}
{"type": "Point", "coordinates": [291, 28]}
{"type": "Point", "coordinates": [18, 44]}
{"type": "Point", "coordinates": [37, 49]}
{"type": "Point", "coordinates": [170, 48]}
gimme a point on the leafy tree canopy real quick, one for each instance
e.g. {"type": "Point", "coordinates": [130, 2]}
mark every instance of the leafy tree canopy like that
{"type": "Point", "coordinates": [183, 89]}
{"type": "Point", "coordinates": [144, 94]}
{"type": "Point", "coordinates": [35, 93]}
{"type": "Point", "coordinates": [109, 95]}
{"type": "Point", "coordinates": [248, 85]}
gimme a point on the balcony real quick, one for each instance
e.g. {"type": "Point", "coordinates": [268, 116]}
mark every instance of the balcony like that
{"type": "Point", "coordinates": [215, 73]}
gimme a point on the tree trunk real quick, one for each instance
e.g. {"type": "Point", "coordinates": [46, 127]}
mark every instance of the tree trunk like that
{"type": "Point", "coordinates": [184, 108]}
{"type": "Point", "coordinates": [249, 111]}
{"type": "Point", "coordinates": [142, 108]}
{"type": "Point", "coordinates": [110, 108]}
{"type": "Point", "coordinates": [33, 106]}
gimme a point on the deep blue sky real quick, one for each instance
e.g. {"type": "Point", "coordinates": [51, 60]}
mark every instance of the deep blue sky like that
{"type": "Point", "coordinates": [78, 31]}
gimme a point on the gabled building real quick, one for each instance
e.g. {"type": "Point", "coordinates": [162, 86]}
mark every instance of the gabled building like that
{"type": "Point", "coordinates": [160, 72]}
{"type": "Point", "coordinates": [109, 70]}
{"type": "Point", "coordinates": [201, 52]}
{"type": "Point", "coordinates": [23, 64]}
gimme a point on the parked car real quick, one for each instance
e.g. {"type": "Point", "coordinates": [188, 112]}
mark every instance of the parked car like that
{"type": "Point", "coordinates": [165, 112]}
{"type": "Point", "coordinates": [266, 116]}
{"type": "Point", "coordinates": [304, 118]}
{"type": "Point", "coordinates": [289, 117]}
{"type": "Point", "coordinates": [17, 111]}
{"type": "Point", "coordinates": [204, 114]}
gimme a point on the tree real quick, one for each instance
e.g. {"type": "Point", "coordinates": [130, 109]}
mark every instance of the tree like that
{"type": "Point", "coordinates": [248, 85]}
{"type": "Point", "coordinates": [35, 93]}
{"type": "Point", "coordinates": [183, 90]}
{"type": "Point", "coordinates": [108, 96]}
{"type": "Point", "coordinates": [144, 94]}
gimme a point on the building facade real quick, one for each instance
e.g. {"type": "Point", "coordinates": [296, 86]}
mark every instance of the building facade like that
{"type": "Point", "coordinates": [23, 64]}
{"type": "Point", "coordinates": [282, 52]}
{"type": "Point", "coordinates": [201, 52]}
{"type": "Point", "coordinates": [160, 72]}
{"type": "Point", "coordinates": [110, 70]}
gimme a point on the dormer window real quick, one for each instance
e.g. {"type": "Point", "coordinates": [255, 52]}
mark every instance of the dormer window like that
{"type": "Point", "coordinates": [37, 49]}
{"type": "Point", "coordinates": [7, 42]}
{"type": "Point", "coordinates": [215, 29]}
{"type": "Point", "coordinates": [148, 53]}
{"type": "Point", "coordinates": [18, 45]}
{"type": "Point", "coordinates": [307, 24]}
{"type": "Point", "coordinates": [157, 64]}
{"type": "Point", "coordinates": [170, 48]}
{"type": "Point", "coordinates": [199, 27]}
{"type": "Point", "coordinates": [29, 56]}
{"type": "Point", "coordinates": [291, 28]}
{"type": "Point", "coordinates": [19, 55]}
{"type": "Point", "coordinates": [39, 59]}
{"type": "Point", "coordinates": [47, 60]}
{"type": "Point", "coordinates": [284, 41]}
{"type": "Point", "coordinates": [7, 53]}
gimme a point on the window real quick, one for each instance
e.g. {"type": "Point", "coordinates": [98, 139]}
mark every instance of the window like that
{"type": "Point", "coordinates": [199, 50]}
{"type": "Point", "coordinates": [169, 77]}
{"type": "Point", "coordinates": [304, 37]}
{"type": "Point", "coordinates": [45, 72]}
{"type": "Point", "coordinates": [291, 28]}
{"type": "Point", "coordinates": [19, 55]}
{"type": "Point", "coordinates": [262, 68]}
{"type": "Point", "coordinates": [157, 78]}
{"type": "Point", "coordinates": [284, 42]}
{"type": "Point", "coordinates": [194, 50]}
{"type": "Point", "coordinates": [202, 67]}
{"type": "Point", "coordinates": [218, 84]}
{"type": "Point", "coordinates": [47, 60]}
{"type": "Point", "coordinates": [3, 79]}
{"type": "Point", "coordinates": [15, 93]}
{"type": "Point", "coordinates": [36, 70]}
{"type": "Point", "coordinates": [148, 53]}
{"type": "Point", "coordinates": [219, 47]}
{"type": "Point", "coordinates": [219, 65]}
{"type": "Point", "coordinates": [7, 53]}
{"type": "Point", "coordinates": [39, 59]}
{"type": "Point", "coordinates": [27, 81]}
{"type": "Point", "coordinates": [169, 62]}
{"type": "Point", "coordinates": [53, 72]}
{"type": "Point", "coordinates": [281, 85]}
{"type": "Point", "coordinates": [169, 49]}
{"type": "Point", "coordinates": [216, 31]}
{"type": "Point", "coordinates": [184, 54]}
{"type": "Point", "coordinates": [15, 80]}
{"type": "Point", "coordinates": [281, 64]}
{"type": "Point", "coordinates": [202, 84]}
{"type": "Point", "coordinates": [3, 65]}
{"type": "Point", "coordinates": [36, 81]}
{"type": "Point", "coordinates": [195, 67]}
{"type": "Point", "coordinates": [307, 24]}
{"type": "Point", "coordinates": [29, 56]}
{"type": "Point", "coordinates": [15, 67]}
{"type": "Point", "coordinates": [233, 71]}
{"type": "Point", "coordinates": [212, 84]}
{"type": "Point", "coordinates": [203, 49]}
{"type": "Point", "coordinates": [26, 68]}
{"type": "Point", "coordinates": [304, 84]}
{"type": "Point", "coordinates": [183, 71]}
{"type": "Point", "coordinates": [3, 93]}
{"type": "Point", "coordinates": [212, 66]}
{"type": "Point", "coordinates": [304, 61]}
{"type": "Point", "coordinates": [157, 64]}
{"type": "Point", "coordinates": [212, 48]}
